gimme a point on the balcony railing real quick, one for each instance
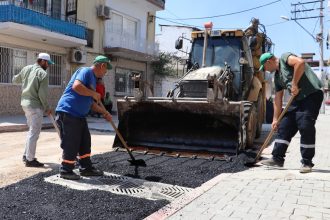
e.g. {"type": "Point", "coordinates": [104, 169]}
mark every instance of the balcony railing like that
{"type": "Point", "coordinates": [12, 13]}
{"type": "Point", "coordinates": [131, 43]}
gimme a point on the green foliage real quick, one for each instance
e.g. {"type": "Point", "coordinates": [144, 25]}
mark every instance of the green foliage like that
{"type": "Point", "coordinates": [164, 66]}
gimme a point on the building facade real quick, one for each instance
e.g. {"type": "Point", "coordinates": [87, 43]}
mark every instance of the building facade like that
{"type": "Point", "coordinates": [129, 41]}
{"type": "Point", "coordinates": [74, 32]}
{"type": "Point", "coordinates": [28, 28]}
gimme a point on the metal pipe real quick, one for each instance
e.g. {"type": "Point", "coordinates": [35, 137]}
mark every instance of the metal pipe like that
{"type": "Point", "coordinates": [204, 48]}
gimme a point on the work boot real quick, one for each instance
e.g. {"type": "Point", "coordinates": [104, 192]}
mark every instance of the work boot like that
{"type": "Point", "coordinates": [92, 171]}
{"type": "Point", "coordinates": [33, 163]}
{"type": "Point", "coordinates": [273, 162]}
{"type": "Point", "coordinates": [24, 158]}
{"type": "Point", "coordinates": [305, 169]}
{"type": "Point", "coordinates": [69, 175]}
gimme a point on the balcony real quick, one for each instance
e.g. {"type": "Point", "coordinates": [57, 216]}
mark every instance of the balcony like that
{"type": "Point", "coordinates": [159, 3]}
{"type": "Point", "coordinates": [33, 25]}
{"type": "Point", "coordinates": [123, 45]}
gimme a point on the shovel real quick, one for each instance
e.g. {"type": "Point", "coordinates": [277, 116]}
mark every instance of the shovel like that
{"type": "Point", "coordinates": [250, 163]}
{"type": "Point", "coordinates": [132, 161]}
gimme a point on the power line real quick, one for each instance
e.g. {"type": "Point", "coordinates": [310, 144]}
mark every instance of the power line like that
{"type": "Point", "coordinates": [171, 13]}
{"type": "Point", "coordinates": [277, 23]}
{"type": "Point", "coordinates": [174, 22]}
{"type": "Point", "coordinates": [196, 26]}
{"type": "Point", "coordinates": [222, 15]}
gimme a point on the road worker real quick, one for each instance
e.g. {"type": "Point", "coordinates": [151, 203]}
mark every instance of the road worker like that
{"type": "Point", "coordinates": [78, 99]}
{"type": "Point", "coordinates": [292, 73]}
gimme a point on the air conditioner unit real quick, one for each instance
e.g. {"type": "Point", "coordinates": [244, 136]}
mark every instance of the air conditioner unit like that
{"type": "Point", "coordinates": [103, 12]}
{"type": "Point", "coordinates": [78, 56]}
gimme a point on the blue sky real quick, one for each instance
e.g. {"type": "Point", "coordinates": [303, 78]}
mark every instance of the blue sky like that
{"type": "Point", "coordinates": [286, 35]}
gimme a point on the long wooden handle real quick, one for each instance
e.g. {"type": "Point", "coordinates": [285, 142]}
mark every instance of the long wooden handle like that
{"type": "Point", "coordinates": [271, 133]}
{"type": "Point", "coordinates": [51, 117]}
{"type": "Point", "coordinates": [119, 135]}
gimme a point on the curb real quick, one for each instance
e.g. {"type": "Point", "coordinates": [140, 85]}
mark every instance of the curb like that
{"type": "Point", "coordinates": [22, 127]}
{"type": "Point", "coordinates": [183, 201]}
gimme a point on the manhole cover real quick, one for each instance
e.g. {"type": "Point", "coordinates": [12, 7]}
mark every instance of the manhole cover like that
{"type": "Point", "coordinates": [124, 185]}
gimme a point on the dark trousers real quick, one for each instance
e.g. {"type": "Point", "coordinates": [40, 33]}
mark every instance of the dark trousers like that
{"type": "Point", "coordinates": [75, 141]}
{"type": "Point", "coordinates": [301, 116]}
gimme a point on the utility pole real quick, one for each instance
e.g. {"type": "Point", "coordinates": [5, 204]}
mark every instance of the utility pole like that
{"type": "Point", "coordinates": [321, 64]}
{"type": "Point", "coordinates": [300, 7]}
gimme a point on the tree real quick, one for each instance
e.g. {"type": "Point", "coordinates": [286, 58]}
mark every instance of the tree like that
{"type": "Point", "coordinates": [164, 65]}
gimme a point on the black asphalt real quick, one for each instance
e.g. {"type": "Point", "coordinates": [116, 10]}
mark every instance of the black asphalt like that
{"type": "Point", "coordinates": [33, 198]}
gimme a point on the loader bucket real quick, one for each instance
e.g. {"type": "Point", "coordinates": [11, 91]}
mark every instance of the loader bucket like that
{"type": "Point", "coordinates": [182, 125]}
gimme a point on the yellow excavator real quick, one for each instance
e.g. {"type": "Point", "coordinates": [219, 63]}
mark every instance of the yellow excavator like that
{"type": "Point", "coordinates": [217, 107]}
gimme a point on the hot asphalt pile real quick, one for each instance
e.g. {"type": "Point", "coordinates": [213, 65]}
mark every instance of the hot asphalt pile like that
{"type": "Point", "coordinates": [33, 198]}
{"type": "Point", "coordinates": [185, 172]}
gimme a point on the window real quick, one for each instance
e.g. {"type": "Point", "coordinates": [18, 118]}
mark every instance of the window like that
{"type": "Point", "coordinates": [116, 23]}
{"type": "Point", "coordinates": [123, 25]}
{"type": "Point", "coordinates": [123, 83]}
{"type": "Point", "coordinates": [90, 37]}
{"type": "Point", "coordinates": [19, 58]}
{"type": "Point", "coordinates": [13, 60]}
{"type": "Point", "coordinates": [54, 70]}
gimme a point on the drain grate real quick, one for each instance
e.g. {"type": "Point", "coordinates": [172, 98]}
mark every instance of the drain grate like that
{"type": "Point", "coordinates": [174, 191]}
{"type": "Point", "coordinates": [124, 185]}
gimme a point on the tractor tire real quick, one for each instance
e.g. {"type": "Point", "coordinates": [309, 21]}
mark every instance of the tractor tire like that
{"type": "Point", "coordinates": [260, 109]}
{"type": "Point", "coordinates": [251, 120]}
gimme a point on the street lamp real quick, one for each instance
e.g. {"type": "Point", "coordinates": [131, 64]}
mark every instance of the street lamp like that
{"type": "Point", "coordinates": [288, 19]}
{"type": "Point", "coordinates": [319, 39]}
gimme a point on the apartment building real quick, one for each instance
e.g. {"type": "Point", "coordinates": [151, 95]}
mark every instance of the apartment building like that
{"type": "Point", "coordinates": [28, 27]}
{"type": "Point", "coordinates": [73, 32]}
{"type": "Point", "coordinates": [129, 41]}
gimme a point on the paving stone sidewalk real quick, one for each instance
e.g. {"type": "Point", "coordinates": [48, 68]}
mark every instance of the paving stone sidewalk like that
{"type": "Point", "coordinates": [264, 192]}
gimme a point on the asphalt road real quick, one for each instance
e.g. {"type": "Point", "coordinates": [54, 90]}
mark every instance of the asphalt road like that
{"type": "Point", "coordinates": [34, 198]}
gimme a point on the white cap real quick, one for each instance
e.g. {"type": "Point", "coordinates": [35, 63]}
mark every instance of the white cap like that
{"type": "Point", "coordinates": [45, 56]}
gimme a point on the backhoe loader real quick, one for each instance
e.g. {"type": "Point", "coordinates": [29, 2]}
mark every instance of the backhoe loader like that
{"type": "Point", "coordinates": [218, 106]}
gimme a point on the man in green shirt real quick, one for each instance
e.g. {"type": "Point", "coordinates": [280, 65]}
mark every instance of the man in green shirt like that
{"type": "Point", "coordinates": [292, 73]}
{"type": "Point", "coordinates": [34, 80]}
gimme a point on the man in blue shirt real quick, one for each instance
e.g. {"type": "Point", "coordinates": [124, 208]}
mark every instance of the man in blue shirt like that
{"type": "Point", "coordinates": [78, 98]}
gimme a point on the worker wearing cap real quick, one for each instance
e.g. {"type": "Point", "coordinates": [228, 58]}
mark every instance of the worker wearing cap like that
{"type": "Point", "coordinates": [292, 73]}
{"type": "Point", "coordinates": [78, 98]}
{"type": "Point", "coordinates": [34, 80]}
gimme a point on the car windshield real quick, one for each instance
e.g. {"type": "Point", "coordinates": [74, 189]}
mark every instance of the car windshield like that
{"type": "Point", "coordinates": [219, 51]}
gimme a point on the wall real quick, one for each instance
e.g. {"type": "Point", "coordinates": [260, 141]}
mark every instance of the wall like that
{"type": "Point", "coordinates": [163, 85]}
{"type": "Point", "coordinates": [87, 11]}
{"type": "Point", "coordinates": [10, 96]}
{"type": "Point", "coordinates": [134, 9]}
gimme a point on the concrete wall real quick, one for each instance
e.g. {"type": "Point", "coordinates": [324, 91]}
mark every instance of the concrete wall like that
{"type": "Point", "coordinates": [87, 11]}
{"type": "Point", "coordinates": [163, 84]}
